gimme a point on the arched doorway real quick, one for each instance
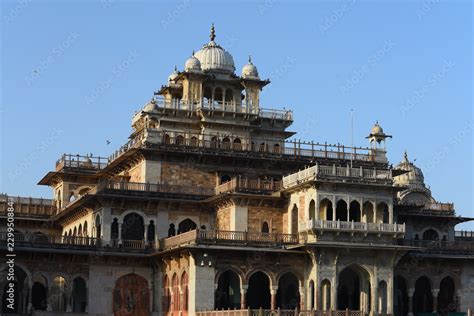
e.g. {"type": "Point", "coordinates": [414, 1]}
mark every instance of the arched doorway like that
{"type": "Point", "coordinates": [341, 211]}
{"type": "Point", "coordinates": [382, 213]}
{"type": "Point", "coordinates": [265, 227]}
{"type": "Point", "coordinates": [311, 293]}
{"type": "Point", "coordinates": [166, 297]}
{"type": "Point", "coordinates": [354, 211]}
{"type": "Point", "coordinates": [228, 291]}
{"type": "Point", "coordinates": [288, 296]}
{"type": "Point", "coordinates": [400, 296]}
{"type": "Point", "coordinates": [294, 220]}
{"type": "Point", "coordinates": [97, 227]}
{"type": "Point", "coordinates": [382, 296]}
{"type": "Point", "coordinates": [368, 212]}
{"type": "Point", "coordinates": [258, 293]}
{"type": "Point", "coordinates": [131, 296]}
{"type": "Point", "coordinates": [422, 298]}
{"type": "Point", "coordinates": [186, 225]}
{"type": "Point", "coordinates": [19, 292]}
{"type": "Point", "coordinates": [79, 295]}
{"type": "Point", "coordinates": [325, 210]}
{"type": "Point", "coordinates": [430, 234]}
{"type": "Point", "coordinates": [353, 290]}
{"type": "Point", "coordinates": [185, 294]}
{"type": "Point", "coordinates": [446, 298]}
{"type": "Point", "coordinates": [132, 227]}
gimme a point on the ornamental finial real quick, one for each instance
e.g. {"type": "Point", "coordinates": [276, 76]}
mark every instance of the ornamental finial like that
{"type": "Point", "coordinates": [250, 59]}
{"type": "Point", "coordinates": [213, 32]}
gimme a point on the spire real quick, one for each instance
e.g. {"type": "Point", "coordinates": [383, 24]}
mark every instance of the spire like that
{"type": "Point", "coordinates": [213, 32]}
{"type": "Point", "coordinates": [250, 59]}
{"type": "Point", "coordinates": [193, 53]}
{"type": "Point", "coordinates": [175, 68]}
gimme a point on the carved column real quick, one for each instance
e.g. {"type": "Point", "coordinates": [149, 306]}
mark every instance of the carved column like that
{"type": "Point", "coordinates": [120, 233]}
{"type": "Point", "coordinates": [273, 292]}
{"type": "Point", "coordinates": [411, 292]}
{"type": "Point", "coordinates": [302, 307]}
{"type": "Point", "coordinates": [435, 300]}
{"type": "Point", "coordinates": [243, 297]}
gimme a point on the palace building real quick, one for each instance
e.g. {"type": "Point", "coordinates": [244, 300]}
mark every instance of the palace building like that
{"type": "Point", "coordinates": [212, 209]}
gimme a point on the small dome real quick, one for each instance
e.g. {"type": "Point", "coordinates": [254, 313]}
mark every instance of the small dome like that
{"type": "Point", "coordinates": [249, 71]}
{"type": "Point", "coordinates": [192, 64]}
{"type": "Point", "coordinates": [377, 129]}
{"type": "Point", "coordinates": [173, 75]}
{"type": "Point", "coordinates": [413, 176]}
{"type": "Point", "coordinates": [214, 58]}
{"type": "Point", "coordinates": [150, 106]}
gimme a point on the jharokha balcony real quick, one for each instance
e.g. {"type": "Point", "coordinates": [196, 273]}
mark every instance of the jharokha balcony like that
{"type": "Point", "coordinates": [353, 227]}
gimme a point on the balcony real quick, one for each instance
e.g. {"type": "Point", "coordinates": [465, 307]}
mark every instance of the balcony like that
{"type": "Point", "coordinates": [248, 186]}
{"type": "Point", "coordinates": [320, 225]}
{"type": "Point", "coordinates": [228, 238]}
{"type": "Point", "coordinates": [319, 172]}
{"type": "Point", "coordinates": [68, 161]}
{"type": "Point", "coordinates": [439, 246]}
{"type": "Point", "coordinates": [28, 207]}
{"type": "Point", "coordinates": [280, 312]}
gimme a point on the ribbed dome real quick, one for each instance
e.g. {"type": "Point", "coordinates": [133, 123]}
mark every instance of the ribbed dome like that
{"type": "Point", "coordinates": [192, 64]}
{"type": "Point", "coordinates": [377, 129]}
{"type": "Point", "coordinates": [173, 75]}
{"type": "Point", "coordinates": [214, 58]}
{"type": "Point", "coordinates": [249, 71]}
{"type": "Point", "coordinates": [414, 176]}
{"type": "Point", "coordinates": [150, 106]}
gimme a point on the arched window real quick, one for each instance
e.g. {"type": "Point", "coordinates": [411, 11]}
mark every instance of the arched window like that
{"type": "Point", "coordinates": [368, 212]}
{"type": "Point", "coordinates": [132, 227]}
{"type": "Point", "coordinates": [326, 295]}
{"type": "Point", "coordinates": [226, 143]}
{"type": "Point", "coordinates": [276, 148]}
{"type": "Point", "coordinates": [237, 144]}
{"type": "Point", "coordinates": [311, 293]}
{"type": "Point", "coordinates": [79, 231]}
{"type": "Point", "coordinates": [218, 96]}
{"type": "Point", "coordinates": [265, 227]}
{"type": "Point", "coordinates": [85, 232]}
{"type": "Point", "coordinates": [171, 230]}
{"type": "Point", "coordinates": [180, 140]}
{"type": "Point", "coordinates": [97, 226]}
{"type": "Point", "coordinates": [166, 302]}
{"type": "Point", "coordinates": [194, 141]}
{"type": "Point", "coordinates": [294, 220]}
{"type": "Point", "coordinates": [382, 213]}
{"type": "Point", "coordinates": [175, 291]}
{"type": "Point", "coordinates": [446, 297]}
{"type": "Point", "coordinates": [186, 225]}
{"type": "Point", "coordinates": [225, 178]}
{"type": "Point", "coordinates": [184, 291]}
{"type": "Point", "coordinates": [312, 210]}
{"type": "Point", "coordinates": [167, 139]}
{"type": "Point", "coordinates": [354, 211]}
{"type": "Point", "coordinates": [213, 142]}
{"type": "Point", "coordinates": [229, 95]}
{"type": "Point", "coordinates": [262, 147]}
{"type": "Point", "coordinates": [430, 234]}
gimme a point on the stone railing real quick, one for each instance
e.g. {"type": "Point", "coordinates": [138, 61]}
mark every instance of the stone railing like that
{"type": "Point", "coordinates": [81, 162]}
{"type": "Point", "coordinates": [439, 245]}
{"type": "Point", "coordinates": [343, 226]}
{"type": "Point", "coordinates": [279, 312]}
{"type": "Point", "coordinates": [240, 184]}
{"type": "Point", "coordinates": [34, 207]}
{"type": "Point", "coordinates": [318, 171]}
{"type": "Point", "coordinates": [223, 237]}
{"type": "Point", "coordinates": [153, 188]}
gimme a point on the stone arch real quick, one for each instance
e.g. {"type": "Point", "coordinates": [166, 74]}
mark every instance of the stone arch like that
{"type": "Point", "coordinates": [265, 227]}
{"type": "Point", "coordinates": [354, 286]}
{"type": "Point", "coordinates": [22, 281]}
{"type": "Point", "coordinates": [382, 215]}
{"type": "Point", "coordinates": [400, 295]}
{"type": "Point", "coordinates": [79, 230]}
{"type": "Point", "coordinates": [186, 225]}
{"type": "Point", "coordinates": [368, 212]}
{"type": "Point", "coordinates": [79, 294]}
{"type": "Point", "coordinates": [175, 292]}
{"type": "Point", "coordinates": [431, 234]}
{"type": "Point", "coordinates": [354, 211]}
{"type": "Point", "coordinates": [229, 95]}
{"type": "Point", "coordinates": [227, 294]}
{"type": "Point", "coordinates": [237, 145]}
{"type": "Point", "coordinates": [98, 226]}
{"type": "Point", "coordinates": [39, 293]}
{"type": "Point", "coordinates": [382, 296]}
{"type": "Point", "coordinates": [341, 210]}
{"type": "Point", "coordinates": [288, 296]}
{"type": "Point", "coordinates": [179, 140]}
{"type": "Point", "coordinates": [423, 297]}
{"type": "Point", "coordinates": [133, 227]}
{"type": "Point", "coordinates": [166, 295]}
{"type": "Point", "coordinates": [325, 294]}
{"type": "Point", "coordinates": [85, 232]}
{"type": "Point", "coordinates": [446, 300]}
{"type": "Point", "coordinates": [312, 209]}
{"type": "Point", "coordinates": [258, 292]}
{"type": "Point", "coordinates": [325, 210]}
{"type": "Point", "coordinates": [184, 291]}
{"type": "Point", "coordinates": [312, 293]}
{"type": "Point", "coordinates": [131, 287]}
{"type": "Point", "coordinates": [58, 293]}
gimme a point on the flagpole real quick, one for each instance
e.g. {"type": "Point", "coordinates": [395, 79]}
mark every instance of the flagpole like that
{"type": "Point", "coordinates": [352, 136]}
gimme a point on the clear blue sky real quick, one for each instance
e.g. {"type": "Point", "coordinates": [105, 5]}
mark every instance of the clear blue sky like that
{"type": "Point", "coordinates": [73, 73]}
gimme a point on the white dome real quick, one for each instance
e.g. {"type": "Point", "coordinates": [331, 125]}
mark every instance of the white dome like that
{"type": "Point", "coordinates": [192, 64]}
{"type": "Point", "coordinates": [414, 176]}
{"type": "Point", "coordinates": [249, 71]}
{"type": "Point", "coordinates": [214, 58]}
{"type": "Point", "coordinates": [173, 75]}
{"type": "Point", "coordinates": [377, 129]}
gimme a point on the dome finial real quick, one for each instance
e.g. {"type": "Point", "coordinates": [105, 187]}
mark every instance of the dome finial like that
{"type": "Point", "coordinates": [193, 53]}
{"type": "Point", "coordinates": [175, 68]}
{"type": "Point", "coordinates": [405, 155]}
{"type": "Point", "coordinates": [213, 32]}
{"type": "Point", "coordinates": [250, 59]}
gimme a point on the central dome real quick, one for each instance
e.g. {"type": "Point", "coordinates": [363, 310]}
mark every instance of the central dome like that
{"type": "Point", "coordinates": [214, 58]}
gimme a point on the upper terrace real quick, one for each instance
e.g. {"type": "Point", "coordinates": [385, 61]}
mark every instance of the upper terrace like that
{"type": "Point", "coordinates": [31, 208]}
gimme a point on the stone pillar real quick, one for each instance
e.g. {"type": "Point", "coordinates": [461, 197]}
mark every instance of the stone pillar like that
{"type": "Point", "coordinates": [374, 298]}
{"type": "Point", "coordinates": [333, 305]}
{"type": "Point", "coordinates": [49, 307]}
{"type": "Point", "coordinates": [145, 233]}
{"type": "Point", "coordinates": [120, 232]}
{"type": "Point", "coordinates": [435, 300]}
{"type": "Point", "coordinates": [273, 292]}
{"type": "Point", "coordinates": [333, 208]}
{"type": "Point", "coordinates": [411, 292]}
{"type": "Point", "coordinates": [390, 213]}
{"type": "Point", "coordinates": [201, 284]}
{"type": "Point", "coordinates": [29, 307]}
{"type": "Point", "coordinates": [243, 297]}
{"type": "Point", "coordinates": [302, 307]}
